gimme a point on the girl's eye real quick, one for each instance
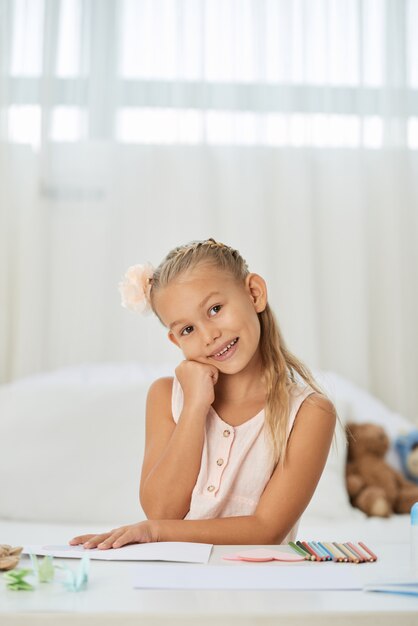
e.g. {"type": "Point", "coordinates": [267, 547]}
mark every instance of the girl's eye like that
{"type": "Point", "coordinates": [187, 330]}
{"type": "Point", "coordinates": [215, 309]}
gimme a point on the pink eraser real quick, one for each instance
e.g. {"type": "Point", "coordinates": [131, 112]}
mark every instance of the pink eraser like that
{"type": "Point", "coordinates": [263, 554]}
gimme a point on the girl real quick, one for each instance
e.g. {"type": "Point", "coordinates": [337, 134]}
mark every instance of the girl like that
{"type": "Point", "coordinates": [236, 442]}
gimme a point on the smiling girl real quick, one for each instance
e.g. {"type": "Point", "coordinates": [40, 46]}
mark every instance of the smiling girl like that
{"type": "Point", "coordinates": [237, 440]}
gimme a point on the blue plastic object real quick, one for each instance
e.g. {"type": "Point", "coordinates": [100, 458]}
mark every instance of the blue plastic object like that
{"type": "Point", "coordinates": [414, 514]}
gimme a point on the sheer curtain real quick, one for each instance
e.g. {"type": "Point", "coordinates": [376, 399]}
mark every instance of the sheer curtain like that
{"type": "Point", "coordinates": [287, 128]}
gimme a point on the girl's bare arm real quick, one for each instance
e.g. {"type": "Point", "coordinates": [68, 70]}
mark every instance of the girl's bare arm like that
{"type": "Point", "coordinates": [172, 454]}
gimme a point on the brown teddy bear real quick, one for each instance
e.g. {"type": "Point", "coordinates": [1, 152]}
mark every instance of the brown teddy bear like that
{"type": "Point", "coordinates": [373, 485]}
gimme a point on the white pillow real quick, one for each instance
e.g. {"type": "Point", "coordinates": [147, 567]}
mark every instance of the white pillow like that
{"type": "Point", "coordinates": [330, 500]}
{"type": "Point", "coordinates": [359, 406]}
{"type": "Point", "coordinates": [72, 453]}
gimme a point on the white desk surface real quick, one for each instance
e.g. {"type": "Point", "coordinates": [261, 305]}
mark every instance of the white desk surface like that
{"type": "Point", "coordinates": [111, 600]}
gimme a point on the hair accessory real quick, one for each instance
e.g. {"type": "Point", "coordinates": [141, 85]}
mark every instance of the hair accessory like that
{"type": "Point", "coordinates": [135, 288]}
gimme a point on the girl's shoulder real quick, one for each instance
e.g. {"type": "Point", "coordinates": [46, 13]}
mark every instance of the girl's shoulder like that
{"type": "Point", "coordinates": [318, 402]}
{"type": "Point", "coordinates": [299, 387]}
{"type": "Point", "coordinates": [165, 382]}
{"type": "Point", "coordinates": [166, 395]}
{"type": "Point", "coordinates": [307, 398]}
{"type": "Point", "coordinates": [160, 391]}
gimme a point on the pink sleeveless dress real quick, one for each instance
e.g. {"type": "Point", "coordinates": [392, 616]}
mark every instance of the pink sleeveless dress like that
{"type": "Point", "coordinates": [236, 462]}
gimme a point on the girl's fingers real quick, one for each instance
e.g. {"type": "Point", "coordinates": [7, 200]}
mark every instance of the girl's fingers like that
{"type": "Point", "coordinates": [84, 538]}
{"type": "Point", "coordinates": [116, 538]}
{"type": "Point", "coordinates": [122, 537]}
{"type": "Point", "coordinates": [128, 536]}
{"type": "Point", "coordinates": [80, 539]}
{"type": "Point", "coordinates": [109, 542]}
{"type": "Point", "coordinates": [105, 540]}
{"type": "Point", "coordinates": [94, 540]}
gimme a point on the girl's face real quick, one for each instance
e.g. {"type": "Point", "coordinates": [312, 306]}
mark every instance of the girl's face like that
{"type": "Point", "coordinates": [212, 317]}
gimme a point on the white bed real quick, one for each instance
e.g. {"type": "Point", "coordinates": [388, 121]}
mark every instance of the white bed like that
{"type": "Point", "coordinates": [72, 444]}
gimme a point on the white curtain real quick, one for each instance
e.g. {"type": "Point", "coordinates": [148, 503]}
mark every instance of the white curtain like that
{"type": "Point", "coordinates": [288, 129]}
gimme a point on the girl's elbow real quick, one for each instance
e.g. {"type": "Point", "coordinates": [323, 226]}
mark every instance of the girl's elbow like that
{"type": "Point", "coordinates": [270, 534]}
{"type": "Point", "coordinates": [158, 511]}
{"type": "Point", "coordinates": [273, 538]}
{"type": "Point", "coordinates": [150, 507]}
{"type": "Point", "coordinates": [152, 510]}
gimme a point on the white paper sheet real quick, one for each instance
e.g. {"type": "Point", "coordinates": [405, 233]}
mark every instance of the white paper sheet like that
{"type": "Point", "coordinates": [260, 576]}
{"type": "Point", "coordinates": [179, 551]}
{"type": "Point", "coordinates": [408, 589]}
{"type": "Point", "coordinates": [402, 586]}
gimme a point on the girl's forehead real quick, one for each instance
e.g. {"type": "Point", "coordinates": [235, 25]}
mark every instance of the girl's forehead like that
{"type": "Point", "coordinates": [187, 291]}
{"type": "Point", "coordinates": [203, 272]}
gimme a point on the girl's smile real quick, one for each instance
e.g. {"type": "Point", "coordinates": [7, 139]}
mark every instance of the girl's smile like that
{"type": "Point", "coordinates": [227, 350]}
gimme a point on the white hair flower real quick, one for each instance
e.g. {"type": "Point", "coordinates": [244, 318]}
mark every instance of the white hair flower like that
{"type": "Point", "coordinates": [135, 288]}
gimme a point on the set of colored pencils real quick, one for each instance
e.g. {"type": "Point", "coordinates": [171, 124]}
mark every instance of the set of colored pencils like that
{"type": "Point", "coordinates": [332, 551]}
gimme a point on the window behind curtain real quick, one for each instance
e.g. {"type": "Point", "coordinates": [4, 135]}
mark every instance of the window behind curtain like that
{"type": "Point", "coordinates": [323, 73]}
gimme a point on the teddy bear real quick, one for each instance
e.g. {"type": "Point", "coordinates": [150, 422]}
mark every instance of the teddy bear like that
{"type": "Point", "coordinates": [407, 448]}
{"type": "Point", "coordinates": [374, 486]}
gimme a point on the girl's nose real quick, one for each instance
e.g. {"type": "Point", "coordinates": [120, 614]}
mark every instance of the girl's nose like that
{"type": "Point", "coordinates": [211, 334]}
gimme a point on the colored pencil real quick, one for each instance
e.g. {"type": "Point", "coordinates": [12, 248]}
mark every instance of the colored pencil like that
{"type": "Point", "coordinates": [318, 554]}
{"type": "Point", "coordinates": [348, 553]}
{"type": "Point", "coordinates": [309, 549]}
{"type": "Point", "coordinates": [337, 555]}
{"type": "Point", "coordinates": [348, 556]}
{"type": "Point", "coordinates": [341, 557]}
{"type": "Point", "coordinates": [312, 550]}
{"type": "Point", "coordinates": [340, 552]}
{"type": "Point", "coordinates": [354, 554]}
{"type": "Point", "coordinates": [324, 556]}
{"type": "Point", "coordinates": [302, 547]}
{"type": "Point", "coordinates": [374, 557]}
{"type": "Point", "coordinates": [300, 551]}
{"type": "Point", "coordinates": [322, 553]}
{"type": "Point", "coordinates": [363, 558]}
{"type": "Point", "coordinates": [337, 548]}
{"type": "Point", "coordinates": [331, 556]}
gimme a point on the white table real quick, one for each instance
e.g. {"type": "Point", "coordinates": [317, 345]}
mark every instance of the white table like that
{"type": "Point", "coordinates": [111, 600]}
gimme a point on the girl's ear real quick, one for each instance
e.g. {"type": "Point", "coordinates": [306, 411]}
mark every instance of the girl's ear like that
{"type": "Point", "coordinates": [172, 338]}
{"type": "Point", "coordinates": [257, 288]}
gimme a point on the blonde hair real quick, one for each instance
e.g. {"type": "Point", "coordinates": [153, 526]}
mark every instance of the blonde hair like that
{"type": "Point", "coordinates": [279, 365]}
